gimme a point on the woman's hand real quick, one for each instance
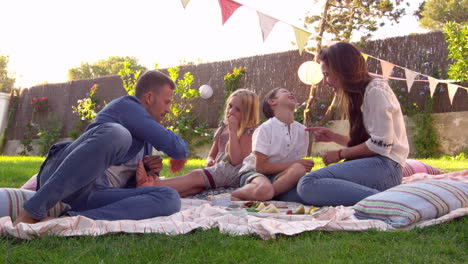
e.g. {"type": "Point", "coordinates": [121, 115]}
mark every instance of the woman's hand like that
{"type": "Point", "coordinates": [331, 157]}
{"type": "Point", "coordinates": [210, 162]}
{"type": "Point", "coordinates": [322, 134]}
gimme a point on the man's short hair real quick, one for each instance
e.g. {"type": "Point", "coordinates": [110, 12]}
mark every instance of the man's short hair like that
{"type": "Point", "coordinates": [152, 81]}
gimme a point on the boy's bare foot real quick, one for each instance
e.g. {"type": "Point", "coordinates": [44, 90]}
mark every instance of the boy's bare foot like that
{"type": "Point", "coordinates": [24, 217]}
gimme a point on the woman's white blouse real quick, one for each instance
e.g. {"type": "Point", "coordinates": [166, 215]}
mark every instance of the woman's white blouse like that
{"type": "Point", "coordinates": [384, 122]}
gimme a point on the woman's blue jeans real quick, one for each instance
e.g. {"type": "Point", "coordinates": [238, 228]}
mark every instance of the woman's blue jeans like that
{"type": "Point", "coordinates": [72, 174]}
{"type": "Point", "coordinates": [346, 183]}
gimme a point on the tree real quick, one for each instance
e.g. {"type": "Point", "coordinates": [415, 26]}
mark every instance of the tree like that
{"type": "Point", "coordinates": [433, 14]}
{"type": "Point", "coordinates": [456, 35]}
{"type": "Point", "coordinates": [341, 19]}
{"type": "Point", "coordinates": [111, 66]}
{"type": "Point", "coordinates": [6, 83]}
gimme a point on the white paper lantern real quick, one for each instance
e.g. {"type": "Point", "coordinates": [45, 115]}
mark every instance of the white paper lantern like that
{"type": "Point", "coordinates": [310, 73]}
{"type": "Point", "coordinates": [205, 91]}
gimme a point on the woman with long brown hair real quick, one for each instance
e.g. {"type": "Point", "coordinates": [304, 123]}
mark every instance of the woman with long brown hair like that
{"type": "Point", "coordinates": [377, 145]}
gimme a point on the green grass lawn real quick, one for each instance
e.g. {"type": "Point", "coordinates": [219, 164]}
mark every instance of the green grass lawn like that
{"type": "Point", "coordinates": [445, 243]}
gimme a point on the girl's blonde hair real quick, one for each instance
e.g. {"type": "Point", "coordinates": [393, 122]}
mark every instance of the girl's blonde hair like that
{"type": "Point", "coordinates": [250, 116]}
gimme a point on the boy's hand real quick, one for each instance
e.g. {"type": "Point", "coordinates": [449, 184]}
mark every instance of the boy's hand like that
{"type": "Point", "coordinates": [330, 157]}
{"type": "Point", "coordinates": [153, 164]}
{"type": "Point", "coordinates": [307, 163]}
{"type": "Point", "coordinates": [322, 134]}
{"type": "Point", "coordinates": [176, 165]}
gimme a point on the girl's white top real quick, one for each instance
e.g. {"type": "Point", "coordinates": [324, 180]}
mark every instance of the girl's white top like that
{"type": "Point", "coordinates": [384, 122]}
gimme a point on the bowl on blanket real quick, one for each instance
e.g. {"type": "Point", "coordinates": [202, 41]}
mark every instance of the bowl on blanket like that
{"type": "Point", "coordinates": [410, 203]}
{"type": "Point", "coordinates": [12, 200]}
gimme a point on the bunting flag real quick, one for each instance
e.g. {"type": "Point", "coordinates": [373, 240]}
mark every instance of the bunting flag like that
{"type": "Point", "coordinates": [365, 56]}
{"type": "Point", "coordinates": [228, 7]}
{"type": "Point", "coordinates": [266, 24]}
{"type": "Point", "coordinates": [410, 75]}
{"type": "Point", "coordinates": [433, 82]}
{"type": "Point", "coordinates": [185, 3]}
{"type": "Point", "coordinates": [387, 68]}
{"type": "Point", "coordinates": [452, 90]}
{"type": "Point", "coordinates": [301, 38]}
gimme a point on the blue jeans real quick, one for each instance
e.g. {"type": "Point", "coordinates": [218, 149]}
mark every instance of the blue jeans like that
{"type": "Point", "coordinates": [346, 183]}
{"type": "Point", "coordinates": [72, 172]}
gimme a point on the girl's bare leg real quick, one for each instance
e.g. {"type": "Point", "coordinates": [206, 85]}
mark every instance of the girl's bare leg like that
{"type": "Point", "coordinates": [259, 189]}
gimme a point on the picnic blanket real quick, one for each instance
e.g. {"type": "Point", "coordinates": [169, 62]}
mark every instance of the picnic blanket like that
{"type": "Point", "coordinates": [199, 214]}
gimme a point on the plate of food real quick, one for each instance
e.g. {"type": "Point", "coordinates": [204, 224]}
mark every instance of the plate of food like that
{"type": "Point", "coordinates": [272, 208]}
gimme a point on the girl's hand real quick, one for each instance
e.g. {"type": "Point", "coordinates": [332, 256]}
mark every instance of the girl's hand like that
{"type": "Point", "coordinates": [331, 157]}
{"type": "Point", "coordinates": [233, 124]}
{"type": "Point", "coordinates": [210, 162]}
{"type": "Point", "coordinates": [322, 134]}
{"type": "Point", "coordinates": [176, 165]}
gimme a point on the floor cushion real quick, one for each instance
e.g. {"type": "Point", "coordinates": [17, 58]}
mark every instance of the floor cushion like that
{"type": "Point", "coordinates": [409, 203]}
{"type": "Point", "coordinates": [415, 166]}
{"type": "Point", "coordinates": [12, 199]}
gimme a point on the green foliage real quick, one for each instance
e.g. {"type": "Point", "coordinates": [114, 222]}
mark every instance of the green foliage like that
{"type": "Point", "coordinates": [40, 104]}
{"type": "Point", "coordinates": [129, 77]}
{"type": "Point", "coordinates": [6, 82]}
{"type": "Point", "coordinates": [181, 120]}
{"type": "Point", "coordinates": [49, 134]}
{"type": "Point", "coordinates": [110, 66]}
{"type": "Point", "coordinates": [456, 35]}
{"type": "Point", "coordinates": [347, 17]}
{"type": "Point", "coordinates": [86, 109]}
{"type": "Point", "coordinates": [435, 13]}
{"type": "Point", "coordinates": [232, 80]}
{"type": "Point", "coordinates": [27, 139]}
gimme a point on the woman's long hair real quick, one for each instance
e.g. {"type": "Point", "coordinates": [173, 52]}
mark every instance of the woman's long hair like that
{"type": "Point", "coordinates": [348, 66]}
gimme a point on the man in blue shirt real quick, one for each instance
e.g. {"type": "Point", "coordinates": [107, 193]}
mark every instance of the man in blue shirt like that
{"type": "Point", "coordinates": [126, 129]}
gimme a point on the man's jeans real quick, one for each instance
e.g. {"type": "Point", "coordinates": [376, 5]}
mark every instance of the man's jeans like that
{"type": "Point", "coordinates": [70, 172]}
{"type": "Point", "coordinates": [345, 183]}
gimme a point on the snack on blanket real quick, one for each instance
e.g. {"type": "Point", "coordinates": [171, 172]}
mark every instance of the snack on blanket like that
{"type": "Point", "coordinates": [299, 210]}
{"type": "Point", "coordinates": [311, 209]}
{"type": "Point", "coordinates": [270, 209]}
{"type": "Point", "coordinates": [223, 199]}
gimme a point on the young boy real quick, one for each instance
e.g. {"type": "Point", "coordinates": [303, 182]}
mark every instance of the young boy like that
{"type": "Point", "coordinates": [275, 164]}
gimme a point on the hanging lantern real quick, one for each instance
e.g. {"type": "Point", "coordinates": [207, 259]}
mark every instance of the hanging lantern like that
{"type": "Point", "coordinates": [205, 91]}
{"type": "Point", "coordinates": [310, 73]}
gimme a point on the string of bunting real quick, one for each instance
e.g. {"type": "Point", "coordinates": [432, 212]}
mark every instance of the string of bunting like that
{"type": "Point", "coordinates": [267, 22]}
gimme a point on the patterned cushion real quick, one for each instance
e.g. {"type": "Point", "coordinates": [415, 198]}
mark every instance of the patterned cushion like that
{"type": "Point", "coordinates": [409, 203]}
{"type": "Point", "coordinates": [415, 166]}
{"type": "Point", "coordinates": [11, 203]}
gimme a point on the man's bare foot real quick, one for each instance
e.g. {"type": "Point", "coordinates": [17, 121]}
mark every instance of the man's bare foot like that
{"type": "Point", "coordinates": [24, 217]}
{"type": "Point", "coordinates": [145, 180]}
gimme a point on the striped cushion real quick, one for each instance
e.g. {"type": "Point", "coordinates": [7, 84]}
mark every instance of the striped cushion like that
{"type": "Point", "coordinates": [409, 203]}
{"type": "Point", "coordinates": [11, 203]}
{"type": "Point", "coordinates": [415, 166]}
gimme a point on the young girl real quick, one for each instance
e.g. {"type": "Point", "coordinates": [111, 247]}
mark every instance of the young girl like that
{"type": "Point", "coordinates": [232, 143]}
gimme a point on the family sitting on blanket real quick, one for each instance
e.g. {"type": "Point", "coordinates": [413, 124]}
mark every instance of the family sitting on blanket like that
{"type": "Point", "coordinates": [89, 174]}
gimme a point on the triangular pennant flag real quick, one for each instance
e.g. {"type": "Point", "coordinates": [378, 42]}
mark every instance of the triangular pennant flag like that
{"type": "Point", "coordinates": [433, 82]}
{"type": "Point", "coordinates": [387, 68]}
{"type": "Point", "coordinates": [452, 90]}
{"type": "Point", "coordinates": [301, 38]}
{"type": "Point", "coordinates": [365, 56]}
{"type": "Point", "coordinates": [266, 24]}
{"type": "Point", "coordinates": [410, 75]}
{"type": "Point", "coordinates": [228, 7]}
{"type": "Point", "coordinates": [185, 3]}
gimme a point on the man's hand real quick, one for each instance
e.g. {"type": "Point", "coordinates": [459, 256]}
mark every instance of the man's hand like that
{"type": "Point", "coordinates": [176, 165]}
{"type": "Point", "coordinates": [307, 163]}
{"type": "Point", "coordinates": [142, 178]}
{"type": "Point", "coordinates": [153, 164]}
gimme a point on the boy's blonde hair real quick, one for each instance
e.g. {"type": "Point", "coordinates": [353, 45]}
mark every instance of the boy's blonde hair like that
{"type": "Point", "coordinates": [249, 109]}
